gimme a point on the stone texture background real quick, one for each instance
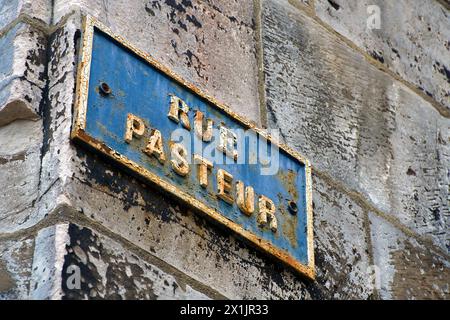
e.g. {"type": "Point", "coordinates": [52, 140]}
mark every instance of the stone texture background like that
{"type": "Point", "coordinates": [370, 108]}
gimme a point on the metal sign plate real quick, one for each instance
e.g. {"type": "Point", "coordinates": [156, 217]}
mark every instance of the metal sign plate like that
{"type": "Point", "coordinates": [140, 114]}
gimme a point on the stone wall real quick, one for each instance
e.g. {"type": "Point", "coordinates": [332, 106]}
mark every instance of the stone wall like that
{"type": "Point", "coordinates": [369, 107]}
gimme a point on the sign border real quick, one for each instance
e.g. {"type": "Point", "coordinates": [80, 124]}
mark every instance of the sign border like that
{"type": "Point", "coordinates": [78, 134]}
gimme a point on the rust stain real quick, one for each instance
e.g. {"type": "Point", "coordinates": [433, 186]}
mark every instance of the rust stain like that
{"type": "Point", "coordinates": [288, 179]}
{"type": "Point", "coordinates": [289, 225]}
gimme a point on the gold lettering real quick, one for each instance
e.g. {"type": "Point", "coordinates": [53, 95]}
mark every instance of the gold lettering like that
{"type": "Point", "coordinates": [224, 186]}
{"type": "Point", "coordinates": [267, 213]}
{"type": "Point", "coordinates": [227, 141]}
{"type": "Point", "coordinates": [179, 163]}
{"type": "Point", "coordinates": [246, 203]}
{"type": "Point", "coordinates": [198, 127]}
{"type": "Point", "coordinates": [179, 109]}
{"type": "Point", "coordinates": [155, 146]}
{"type": "Point", "coordinates": [134, 127]}
{"type": "Point", "coordinates": [203, 167]}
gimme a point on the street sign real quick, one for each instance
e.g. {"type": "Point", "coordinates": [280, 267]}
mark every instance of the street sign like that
{"type": "Point", "coordinates": [166, 131]}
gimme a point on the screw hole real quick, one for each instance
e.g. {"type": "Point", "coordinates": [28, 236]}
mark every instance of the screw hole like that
{"type": "Point", "coordinates": [105, 88]}
{"type": "Point", "coordinates": [293, 209]}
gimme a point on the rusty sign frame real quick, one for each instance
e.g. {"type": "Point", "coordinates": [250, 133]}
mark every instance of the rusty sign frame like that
{"type": "Point", "coordinates": [78, 134]}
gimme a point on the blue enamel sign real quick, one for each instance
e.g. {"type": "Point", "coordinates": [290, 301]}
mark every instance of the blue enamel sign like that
{"type": "Point", "coordinates": [166, 131]}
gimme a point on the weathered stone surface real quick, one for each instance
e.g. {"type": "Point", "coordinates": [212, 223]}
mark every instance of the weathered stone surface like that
{"type": "Point", "coordinates": [110, 271]}
{"type": "Point", "coordinates": [209, 43]}
{"type": "Point", "coordinates": [214, 257]}
{"type": "Point", "coordinates": [36, 9]}
{"type": "Point", "coordinates": [20, 151]}
{"type": "Point", "coordinates": [355, 122]}
{"type": "Point", "coordinates": [176, 235]}
{"type": "Point", "coordinates": [363, 131]}
{"type": "Point", "coordinates": [407, 269]}
{"type": "Point", "coordinates": [341, 245]}
{"type": "Point", "coordinates": [15, 268]}
{"type": "Point", "coordinates": [61, 92]}
{"type": "Point", "coordinates": [48, 261]}
{"type": "Point", "coordinates": [82, 196]}
{"type": "Point", "coordinates": [22, 73]}
{"type": "Point", "coordinates": [413, 39]}
{"type": "Point", "coordinates": [28, 195]}
{"type": "Point", "coordinates": [73, 262]}
{"type": "Point", "coordinates": [34, 184]}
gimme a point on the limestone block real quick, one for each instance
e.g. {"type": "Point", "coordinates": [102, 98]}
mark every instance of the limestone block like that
{"type": "Point", "coordinates": [412, 39]}
{"type": "Point", "coordinates": [342, 249]}
{"type": "Point", "coordinates": [208, 43]}
{"type": "Point", "coordinates": [31, 178]}
{"type": "Point", "coordinates": [48, 261]}
{"type": "Point", "coordinates": [74, 262]}
{"type": "Point", "coordinates": [10, 10]}
{"type": "Point", "coordinates": [355, 122]}
{"type": "Point", "coordinates": [16, 257]}
{"type": "Point", "coordinates": [61, 92]}
{"type": "Point", "coordinates": [407, 269]}
{"type": "Point", "coordinates": [20, 146]}
{"type": "Point", "coordinates": [22, 73]}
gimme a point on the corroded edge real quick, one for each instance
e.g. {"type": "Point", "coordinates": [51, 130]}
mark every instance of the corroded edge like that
{"type": "Point", "coordinates": [79, 134]}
